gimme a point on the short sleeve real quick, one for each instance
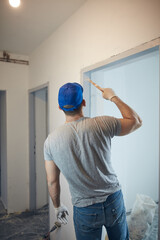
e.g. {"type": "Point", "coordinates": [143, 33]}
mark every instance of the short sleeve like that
{"type": "Point", "coordinates": [110, 125]}
{"type": "Point", "coordinates": [47, 154]}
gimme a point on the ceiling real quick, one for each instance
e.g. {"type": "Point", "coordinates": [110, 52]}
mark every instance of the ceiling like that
{"type": "Point", "coordinates": [23, 29]}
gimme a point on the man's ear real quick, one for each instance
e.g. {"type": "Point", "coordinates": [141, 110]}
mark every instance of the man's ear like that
{"type": "Point", "coordinates": [83, 103]}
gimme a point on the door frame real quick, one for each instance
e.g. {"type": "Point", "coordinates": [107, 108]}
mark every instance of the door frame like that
{"type": "Point", "coordinates": [3, 145]}
{"type": "Point", "coordinates": [32, 162]}
{"type": "Point", "coordinates": [85, 73]}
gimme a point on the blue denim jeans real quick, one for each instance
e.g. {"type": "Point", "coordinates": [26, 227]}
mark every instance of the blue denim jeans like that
{"type": "Point", "coordinates": [88, 221]}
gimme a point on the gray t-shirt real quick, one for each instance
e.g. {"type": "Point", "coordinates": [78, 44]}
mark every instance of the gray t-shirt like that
{"type": "Point", "coordinates": [82, 151]}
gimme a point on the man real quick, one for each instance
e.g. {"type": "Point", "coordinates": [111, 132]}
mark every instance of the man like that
{"type": "Point", "coordinates": [81, 150]}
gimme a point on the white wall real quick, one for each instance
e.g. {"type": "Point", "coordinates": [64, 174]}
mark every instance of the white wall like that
{"type": "Point", "coordinates": [97, 31]}
{"type": "Point", "coordinates": [14, 79]}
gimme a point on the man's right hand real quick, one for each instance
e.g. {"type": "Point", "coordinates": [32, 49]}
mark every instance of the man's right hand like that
{"type": "Point", "coordinates": [108, 93]}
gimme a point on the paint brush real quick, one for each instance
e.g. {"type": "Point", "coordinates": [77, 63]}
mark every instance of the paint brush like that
{"type": "Point", "coordinates": [56, 225]}
{"type": "Point", "coordinates": [94, 84]}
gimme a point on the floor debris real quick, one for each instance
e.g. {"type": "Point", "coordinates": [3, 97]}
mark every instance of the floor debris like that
{"type": "Point", "coordinates": [29, 225]}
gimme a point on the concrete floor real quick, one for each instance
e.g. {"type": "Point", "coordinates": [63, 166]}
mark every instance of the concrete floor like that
{"type": "Point", "coordinates": [33, 225]}
{"type": "Point", "coordinates": [24, 226]}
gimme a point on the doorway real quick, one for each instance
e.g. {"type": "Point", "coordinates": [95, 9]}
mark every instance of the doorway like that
{"type": "Point", "coordinates": [135, 157]}
{"type": "Point", "coordinates": [3, 150]}
{"type": "Point", "coordinates": [38, 125]}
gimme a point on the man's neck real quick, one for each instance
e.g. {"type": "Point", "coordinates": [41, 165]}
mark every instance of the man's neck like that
{"type": "Point", "coordinates": [73, 118]}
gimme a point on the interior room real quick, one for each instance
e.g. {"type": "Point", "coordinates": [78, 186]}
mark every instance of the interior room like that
{"type": "Point", "coordinates": [45, 44]}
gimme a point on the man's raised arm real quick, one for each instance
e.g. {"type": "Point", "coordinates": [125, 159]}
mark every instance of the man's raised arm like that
{"type": "Point", "coordinates": [130, 121]}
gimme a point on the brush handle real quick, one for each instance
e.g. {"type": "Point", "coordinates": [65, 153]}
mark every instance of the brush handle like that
{"type": "Point", "coordinates": [94, 84]}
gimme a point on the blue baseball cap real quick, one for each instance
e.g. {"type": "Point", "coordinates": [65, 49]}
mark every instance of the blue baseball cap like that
{"type": "Point", "coordinates": [70, 96]}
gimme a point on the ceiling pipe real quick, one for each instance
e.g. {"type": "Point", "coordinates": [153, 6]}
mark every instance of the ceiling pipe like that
{"type": "Point", "coordinates": [6, 58]}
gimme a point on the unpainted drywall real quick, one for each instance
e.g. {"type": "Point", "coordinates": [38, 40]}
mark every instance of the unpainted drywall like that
{"type": "Point", "coordinates": [14, 79]}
